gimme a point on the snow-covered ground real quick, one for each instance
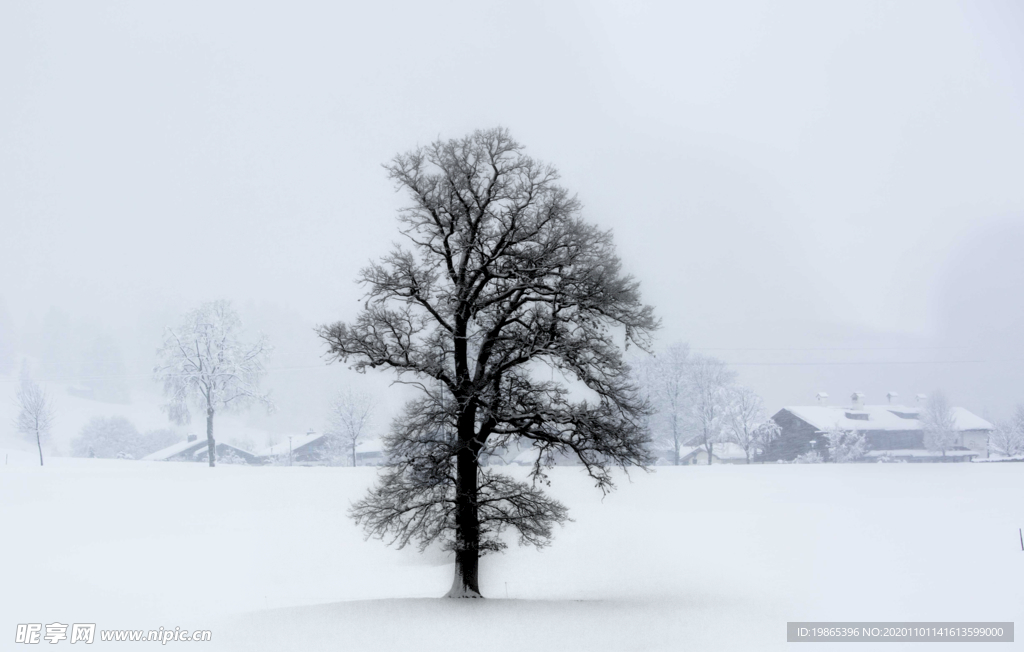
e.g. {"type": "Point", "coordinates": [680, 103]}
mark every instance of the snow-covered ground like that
{"type": "Point", "coordinates": [700, 558]}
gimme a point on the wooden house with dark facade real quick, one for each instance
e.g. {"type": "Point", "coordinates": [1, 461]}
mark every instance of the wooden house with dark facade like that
{"type": "Point", "coordinates": [890, 432]}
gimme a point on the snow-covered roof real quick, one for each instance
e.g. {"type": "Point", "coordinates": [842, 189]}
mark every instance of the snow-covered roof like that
{"type": "Point", "coordinates": [729, 451]}
{"type": "Point", "coordinates": [525, 457]}
{"type": "Point", "coordinates": [195, 447]}
{"type": "Point", "coordinates": [174, 449]}
{"type": "Point", "coordinates": [297, 442]}
{"type": "Point", "coordinates": [370, 446]}
{"type": "Point", "coordinates": [878, 417]}
{"type": "Point", "coordinates": [722, 451]}
{"type": "Point", "coordinates": [685, 451]}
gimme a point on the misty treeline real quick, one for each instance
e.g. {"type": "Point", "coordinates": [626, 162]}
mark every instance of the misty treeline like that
{"type": "Point", "coordinates": [697, 402]}
{"type": "Point", "coordinates": [208, 365]}
{"type": "Point", "coordinates": [87, 357]}
{"type": "Point", "coordinates": [117, 437]}
{"type": "Point", "coordinates": [206, 361]}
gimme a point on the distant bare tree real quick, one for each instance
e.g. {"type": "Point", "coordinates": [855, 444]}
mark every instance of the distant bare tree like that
{"type": "Point", "coordinates": [710, 382]}
{"type": "Point", "coordinates": [1008, 436]}
{"type": "Point", "coordinates": [502, 276]}
{"type": "Point", "coordinates": [939, 424]}
{"type": "Point", "coordinates": [35, 411]}
{"type": "Point", "coordinates": [746, 415]}
{"type": "Point", "coordinates": [663, 378]}
{"type": "Point", "coordinates": [204, 364]}
{"type": "Point", "coordinates": [348, 419]}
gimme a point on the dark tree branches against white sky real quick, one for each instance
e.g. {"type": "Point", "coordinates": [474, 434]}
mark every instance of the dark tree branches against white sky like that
{"type": "Point", "coordinates": [500, 274]}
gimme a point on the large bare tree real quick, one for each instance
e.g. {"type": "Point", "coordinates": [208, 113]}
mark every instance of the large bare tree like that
{"type": "Point", "coordinates": [500, 278]}
{"type": "Point", "coordinates": [35, 411]}
{"type": "Point", "coordinates": [205, 364]}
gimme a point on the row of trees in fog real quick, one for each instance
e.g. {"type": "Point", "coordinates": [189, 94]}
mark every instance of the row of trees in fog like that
{"type": "Point", "coordinates": [207, 366]}
{"type": "Point", "coordinates": [697, 401]}
{"type": "Point", "coordinates": [117, 437]}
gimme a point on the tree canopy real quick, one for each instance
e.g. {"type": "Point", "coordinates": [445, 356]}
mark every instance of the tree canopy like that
{"type": "Point", "coordinates": [500, 276]}
{"type": "Point", "coordinates": [205, 364]}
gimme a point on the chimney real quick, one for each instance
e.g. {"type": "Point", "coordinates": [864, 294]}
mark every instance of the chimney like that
{"type": "Point", "coordinates": [192, 437]}
{"type": "Point", "coordinates": [922, 398]}
{"type": "Point", "coordinates": [822, 398]}
{"type": "Point", "coordinates": [891, 396]}
{"type": "Point", "coordinates": [857, 401]}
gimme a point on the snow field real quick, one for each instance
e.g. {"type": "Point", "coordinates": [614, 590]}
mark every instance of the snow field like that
{"type": "Point", "coordinates": [697, 558]}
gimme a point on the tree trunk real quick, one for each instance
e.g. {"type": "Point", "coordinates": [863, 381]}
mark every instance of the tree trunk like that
{"type": "Point", "coordinates": [353, 454]}
{"type": "Point", "coordinates": [39, 443]}
{"type": "Point", "coordinates": [466, 582]}
{"type": "Point", "coordinates": [711, 452]}
{"type": "Point", "coordinates": [675, 438]}
{"type": "Point", "coordinates": [210, 444]}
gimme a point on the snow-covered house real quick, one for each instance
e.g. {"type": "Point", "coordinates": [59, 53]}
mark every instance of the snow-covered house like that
{"type": "Point", "coordinates": [195, 449]}
{"type": "Point", "coordinates": [369, 453]}
{"type": "Point", "coordinates": [310, 448]}
{"type": "Point", "coordinates": [527, 456]}
{"type": "Point", "coordinates": [723, 453]}
{"type": "Point", "coordinates": [890, 431]}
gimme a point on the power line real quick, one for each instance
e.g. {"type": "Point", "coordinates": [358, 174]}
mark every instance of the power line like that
{"type": "Point", "coordinates": [148, 376]}
{"type": "Point", "coordinates": [880, 362]}
{"type": "Point", "coordinates": [836, 348]}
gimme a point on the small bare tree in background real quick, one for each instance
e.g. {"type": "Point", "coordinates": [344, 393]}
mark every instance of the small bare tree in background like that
{"type": "Point", "coordinates": [35, 411]}
{"type": "Point", "coordinates": [348, 421]}
{"type": "Point", "coordinates": [663, 380]}
{"type": "Point", "coordinates": [205, 364]}
{"type": "Point", "coordinates": [939, 424]}
{"type": "Point", "coordinates": [746, 415]}
{"type": "Point", "coordinates": [710, 382]}
{"type": "Point", "coordinates": [1008, 437]}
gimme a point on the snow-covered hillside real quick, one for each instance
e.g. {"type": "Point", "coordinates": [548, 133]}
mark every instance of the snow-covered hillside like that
{"type": "Point", "coordinates": [699, 558]}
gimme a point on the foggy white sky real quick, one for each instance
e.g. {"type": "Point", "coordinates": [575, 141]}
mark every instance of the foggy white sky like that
{"type": "Point", "coordinates": [778, 175]}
